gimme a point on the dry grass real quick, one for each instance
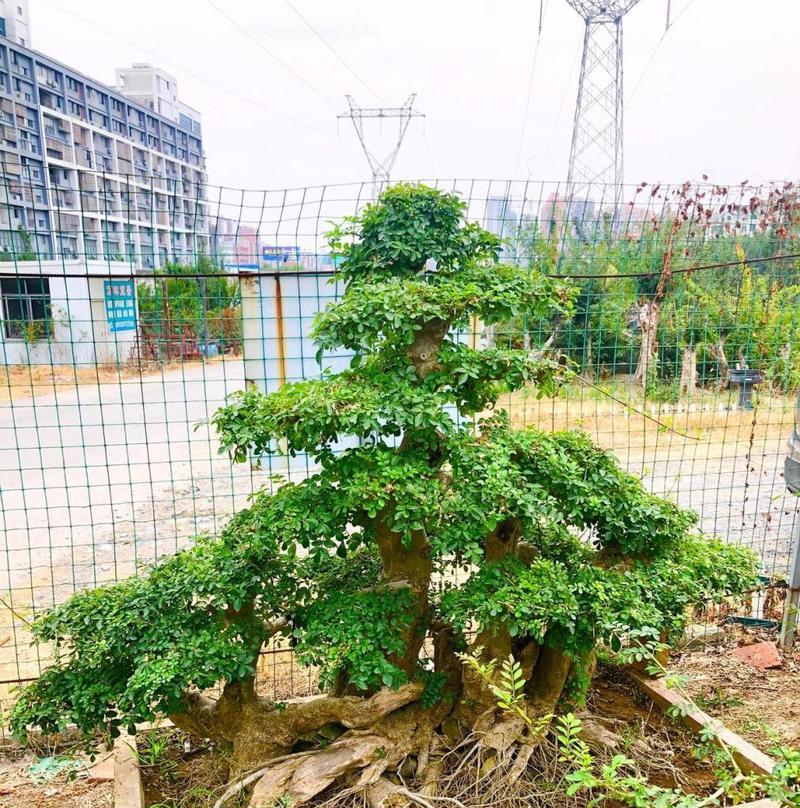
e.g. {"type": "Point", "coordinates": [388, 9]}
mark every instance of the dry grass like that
{"type": "Point", "coordinates": [762, 706]}
{"type": "Point", "coordinates": [710, 421]}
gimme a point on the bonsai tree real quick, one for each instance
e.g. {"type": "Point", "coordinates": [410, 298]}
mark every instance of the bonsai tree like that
{"type": "Point", "coordinates": [443, 531]}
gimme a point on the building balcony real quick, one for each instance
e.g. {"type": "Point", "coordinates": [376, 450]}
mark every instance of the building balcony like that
{"type": "Point", "coordinates": [64, 200]}
{"type": "Point", "coordinates": [67, 225]}
{"type": "Point", "coordinates": [57, 134]}
{"type": "Point", "coordinates": [84, 157]}
{"type": "Point", "coordinates": [51, 102]}
{"type": "Point", "coordinates": [10, 167]}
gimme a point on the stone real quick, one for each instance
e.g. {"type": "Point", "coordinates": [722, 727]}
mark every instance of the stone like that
{"type": "Point", "coordinates": [699, 635]}
{"type": "Point", "coordinates": [761, 655]}
{"type": "Point", "coordinates": [102, 769]}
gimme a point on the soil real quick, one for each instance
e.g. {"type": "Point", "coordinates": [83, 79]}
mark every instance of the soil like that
{"type": "Point", "coordinates": [74, 786]}
{"type": "Point", "coordinates": [185, 774]}
{"type": "Point", "coordinates": [180, 772]}
{"type": "Point", "coordinates": [671, 763]}
{"type": "Point", "coordinates": [762, 706]}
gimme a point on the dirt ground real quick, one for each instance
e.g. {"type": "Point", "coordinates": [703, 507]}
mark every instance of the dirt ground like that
{"type": "Point", "coordinates": [762, 706]}
{"type": "Point", "coordinates": [185, 773]}
{"type": "Point", "coordinates": [19, 382]}
{"type": "Point", "coordinates": [74, 786]}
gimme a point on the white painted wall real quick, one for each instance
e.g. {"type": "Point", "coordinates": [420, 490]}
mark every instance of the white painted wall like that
{"type": "Point", "coordinates": [81, 334]}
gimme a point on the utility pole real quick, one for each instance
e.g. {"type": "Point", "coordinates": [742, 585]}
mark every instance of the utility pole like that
{"type": "Point", "coordinates": [596, 154]}
{"type": "Point", "coordinates": [381, 167]}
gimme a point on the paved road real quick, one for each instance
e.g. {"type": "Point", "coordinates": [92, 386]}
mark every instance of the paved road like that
{"type": "Point", "coordinates": [98, 479]}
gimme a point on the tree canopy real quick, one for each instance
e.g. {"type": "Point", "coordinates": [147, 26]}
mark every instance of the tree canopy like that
{"type": "Point", "coordinates": [443, 529]}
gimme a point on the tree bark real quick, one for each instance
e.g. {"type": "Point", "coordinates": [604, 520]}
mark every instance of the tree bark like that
{"type": "Point", "coordinates": [688, 379]}
{"type": "Point", "coordinates": [718, 352]}
{"type": "Point", "coordinates": [649, 316]}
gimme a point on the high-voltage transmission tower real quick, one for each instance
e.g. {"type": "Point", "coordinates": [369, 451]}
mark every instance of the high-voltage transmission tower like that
{"type": "Point", "coordinates": [595, 157]}
{"type": "Point", "coordinates": [381, 167]}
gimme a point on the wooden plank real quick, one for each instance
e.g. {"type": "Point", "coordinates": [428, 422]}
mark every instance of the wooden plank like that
{"type": "Point", "coordinates": [128, 789]}
{"type": "Point", "coordinates": [751, 759]}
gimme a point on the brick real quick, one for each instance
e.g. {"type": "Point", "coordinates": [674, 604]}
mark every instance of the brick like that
{"type": "Point", "coordinates": [761, 655]}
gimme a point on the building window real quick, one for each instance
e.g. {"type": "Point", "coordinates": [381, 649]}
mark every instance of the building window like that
{"type": "Point", "coordinates": [26, 307]}
{"type": "Point", "coordinates": [19, 11]}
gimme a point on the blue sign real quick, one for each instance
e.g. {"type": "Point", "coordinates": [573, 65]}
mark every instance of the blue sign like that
{"type": "Point", "coordinates": [280, 255]}
{"type": "Point", "coordinates": [120, 305]}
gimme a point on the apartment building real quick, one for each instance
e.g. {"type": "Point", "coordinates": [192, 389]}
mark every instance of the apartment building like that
{"type": "Point", "coordinates": [15, 21]}
{"type": "Point", "coordinates": [234, 245]}
{"type": "Point", "coordinates": [92, 172]}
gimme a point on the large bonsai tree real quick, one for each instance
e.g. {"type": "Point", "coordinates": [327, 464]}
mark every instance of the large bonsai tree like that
{"type": "Point", "coordinates": [442, 531]}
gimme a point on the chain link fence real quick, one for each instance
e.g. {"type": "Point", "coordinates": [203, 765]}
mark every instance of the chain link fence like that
{"type": "Point", "coordinates": [685, 344]}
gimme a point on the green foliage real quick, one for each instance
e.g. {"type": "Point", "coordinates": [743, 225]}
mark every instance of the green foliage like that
{"type": "Point", "coordinates": [198, 297]}
{"type": "Point", "coordinates": [331, 556]}
{"type": "Point", "coordinates": [353, 634]}
{"type": "Point", "coordinates": [618, 780]}
{"type": "Point", "coordinates": [22, 249]}
{"type": "Point", "coordinates": [410, 225]}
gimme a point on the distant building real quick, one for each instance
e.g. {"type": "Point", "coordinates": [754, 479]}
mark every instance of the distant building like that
{"type": "Point", "coordinates": [500, 218]}
{"type": "Point", "coordinates": [89, 173]}
{"type": "Point", "coordinates": [234, 245]}
{"type": "Point", "coordinates": [319, 262]}
{"type": "Point", "coordinates": [559, 214]}
{"type": "Point", "coordinates": [15, 21]}
{"type": "Point", "coordinates": [157, 90]}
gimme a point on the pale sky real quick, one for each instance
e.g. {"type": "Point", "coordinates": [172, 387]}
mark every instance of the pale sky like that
{"type": "Point", "coordinates": [716, 94]}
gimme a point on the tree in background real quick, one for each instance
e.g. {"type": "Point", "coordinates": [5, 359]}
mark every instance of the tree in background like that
{"type": "Point", "coordinates": [22, 250]}
{"type": "Point", "coordinates": [643, 308]}
{"type": "Point", "coordinates": [196, 298]}
{"type": "Point", "coordinates": [379, 565]}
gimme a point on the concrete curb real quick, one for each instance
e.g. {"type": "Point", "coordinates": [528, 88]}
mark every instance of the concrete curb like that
{"type": "Point", "coordinates": [760, 804]}
{"type": "Point", "coordinates": [128, 789]}
{"type": "Point", "coordinates": [750, 758]}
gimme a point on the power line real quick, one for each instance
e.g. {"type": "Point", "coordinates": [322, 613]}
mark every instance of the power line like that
{"type": "Point", "coordinates": [529, 92]}
{"type": "Point", "coordinates": [670, 26]}
{"type": "Point", "coordinates": [330, 47]}
{"type": "Point", "coordinates": [189, 73]}
{"type": "Point", "coordinates": [269, 53]}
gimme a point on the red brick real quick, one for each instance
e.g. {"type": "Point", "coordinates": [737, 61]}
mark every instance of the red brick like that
{"type": "Point", "coordinates": [762, 655]}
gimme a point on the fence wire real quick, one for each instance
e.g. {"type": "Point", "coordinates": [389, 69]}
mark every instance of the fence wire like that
{"type": "Point", "coordinates": [121, 335]}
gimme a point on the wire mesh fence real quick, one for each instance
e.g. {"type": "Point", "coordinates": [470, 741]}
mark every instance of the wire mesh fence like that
{"type": "Point", "coordinates": [684, 342]}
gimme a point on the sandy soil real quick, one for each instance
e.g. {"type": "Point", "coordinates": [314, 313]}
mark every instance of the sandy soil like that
{"type": "Point", "coordinates": [68, 789]}
{"type": "Point", "coordinates": [19, 382]}
{"type": "Point", "coordinates": [762, 706]}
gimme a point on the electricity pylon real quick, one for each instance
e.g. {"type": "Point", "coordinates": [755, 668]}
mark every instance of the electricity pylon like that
{"type": "Point", "coordinates": [381, 167]}
{"type": "Point", "coordinates": [595, 157]}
